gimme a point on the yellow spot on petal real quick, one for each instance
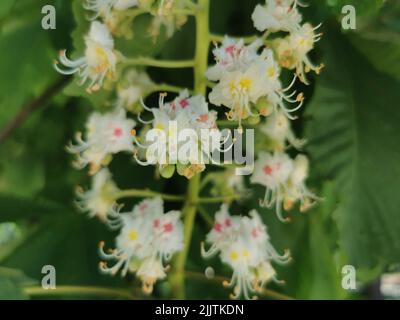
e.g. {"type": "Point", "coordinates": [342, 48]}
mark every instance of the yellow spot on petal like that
{"type": "Point", "coordinates": [234, 255]}
{"type": "Point", "coordinates": [132, 235]}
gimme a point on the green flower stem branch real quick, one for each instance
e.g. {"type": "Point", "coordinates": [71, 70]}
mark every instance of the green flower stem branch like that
{"type": "Point", "coordinates": [189, 209]}
{"type": "Point", "coordinates": [266, 293]}
{"type": "Point", "coordinates": [134, 193]}
{"type": "Point", "coordinates": [168, 88]}
{"type": "Point", "coordinates": [150, 62]}
{"type": "Point", "coordinates": [79, 291]}
{"type": "Point", "coordinates": [219, 38]}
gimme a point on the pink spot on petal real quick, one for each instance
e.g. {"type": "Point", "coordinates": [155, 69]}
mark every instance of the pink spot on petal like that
{"type": "Point", "coordinates": [184, 103]}
{"type": "Point", "coordinates": [230, 49]}
{"type": "Point", "coordinates": [268, 170]}
{"type": "Point", "coordinates": [156, 223]}
{"type": "Point", "coordinates": [218, 227]}
{"type": "Point", "coordinates": [168, 227]}
{"type": "Point", "coordinates": [228, 222]}
{"type": "Point", "coordinates": [254, 233]}
{"type": "Point", "coordinates": [117, 132]}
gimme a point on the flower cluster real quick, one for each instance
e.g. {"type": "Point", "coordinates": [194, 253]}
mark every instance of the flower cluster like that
{"type": "Point", "coordinates": [248, 81]}
{"type": "Point", "coordinates": [106, 134]}
{"type": "Point", "coordinates": [148, 237]}
{"type": "Point", "coordinates": [245, 79]}
{"type": "Point", "coordinates": [244, 244]}
{"type": "Point", "coordinates": [99, 200]}
{"type": "Point", "coordinates": [292, 51]}
{"type": "Point", "coordinates": [172, 118]}
{"type": "Point", "coordinates": [99, 61]}
{"type": "Point", "coordinates": [284, 180]}
{"type": "Point", "coordinates": [118, 14]}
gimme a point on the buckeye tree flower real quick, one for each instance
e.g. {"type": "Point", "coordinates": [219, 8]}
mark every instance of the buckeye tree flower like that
{"type": "Point", "coordinates": [244, 244]}
{"type": "Point", "coordinates": [230, 55]}
{"type": "Point", "coordinates": [273, 171]}
{"type": "Point", "coordinates": [278, 129]}
{"type": "Point", "coordinates": [106, 134]}
{"type": "Point", "coordinates": [148, 238]}
{"type": "Point", "coordinates": [277, 15]}
{"type": "Point", "coordinates": [99, 61]}
{"type": "Point", "coordinates": [98, 200]}
{"type": "Point", "coordinates": [249, 82]}
{"type": "Point", "coordinates": [292, 51]}
{"type": "Point", "coordinates": [296, 186]}
{"type": "Point", "coordinates": [103, 8]}
{"type": "Point", "coordinates": [132, 89]}
{"type": "Point", "coordinates": [169, 121]}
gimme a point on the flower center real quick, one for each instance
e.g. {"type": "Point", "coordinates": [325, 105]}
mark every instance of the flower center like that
{"type": "Point", "coordinates": [132, 235]}
{"type": "Point", "coordinates": [268, 170]}
{"type": "Point", "coordinates": [117, 132]}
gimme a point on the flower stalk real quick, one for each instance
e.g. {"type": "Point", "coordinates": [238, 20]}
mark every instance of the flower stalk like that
{"type": "Point", "coordinates": [189, 210]}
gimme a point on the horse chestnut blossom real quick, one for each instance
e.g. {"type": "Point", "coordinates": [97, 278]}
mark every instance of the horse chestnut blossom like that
{"type": "Point", "coordinates": [103, 8]}
{"type": "Point", "coordinates": [99, 200]}
{"type": "Point", "coordinates": [182, 135]}
{"type": "Point", "coordinates": [170, 120]}
{"type": "Point", "coordinates": [277, 129]}
{"type": "Point", "coordinates": [148, 237]}
{"type": "Point", "coordinates": [244, 244]}
{"type": "Point", "coordinates": [292, 51]}
{"type": "Point", "coordinates": [99, 61]}
{"type": "Point", "coordinates": [296, 187]}
{"type": "Point", "coordinates": [277, 15]}
{"type": "Point", "coordinates": [249, 81]}
{"type": "Point", "coordinates": [106, 134]}
{"type": "Point", "coordinates": [284, 180]}
{"type": "Point", "coordinates": [131, 89]}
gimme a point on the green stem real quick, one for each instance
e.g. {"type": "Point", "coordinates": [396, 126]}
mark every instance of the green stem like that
{"type": "Point", "coordinates": [133, 193]}
{"type": "Point", "coordinates": [218, 199]}
{"type": "Point", "coordinates": [150, 62]}
{"type": "Point", "coordinates": [266, 293]}
{"type": "Point", "coordinates": [168, 88]}
{"type": "Point", "coordinates": [78, 290]}
{"type": "Point", "coordinates": [189, 209]}
{"type": "Point", "coordinates": [219, 38]}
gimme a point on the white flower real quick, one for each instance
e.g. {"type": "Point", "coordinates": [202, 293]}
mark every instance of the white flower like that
{"type": "Point", "coordinates": [224, 231]}
{"type": "Point", "coordinates": [277, 129]}
{"type": "Point", "coordinates": [244, 245]}
{"type": "Point", "coordinates": [106, 134]}
{"type": "Point", "coordinates": [273, 172]}
{"type": "Point", "coordinates": [147, 239]}
{"type": "Point", "coordinates": [170, 119]}
{"type": "Point", "coordinates": [99, 61]}
{"type": "Point", "coordinates": [103, 8]}
{"type": "Point", "coordinates": [135, 87]}
{"type": "Point", "coordinates": [99, 200]}
{"type": "Point", "coordinates": [166, 17]}
{"type": "Point", "coordinates": [296, 187]}
{"type": "Point", "coordinates": [292, 51]}
{"type": "Point", "coordinates": [284, 180]}
{"type": "Point", "coordinates": [249, 82]}
{"type": "Point", "coordinates": [231, 55]}
{"type": "Point", "coordinates": [277, 15]}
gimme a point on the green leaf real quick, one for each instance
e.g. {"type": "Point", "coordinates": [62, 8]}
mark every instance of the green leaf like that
{"type": "Point", "coordinates": [5, 7]}
{"type": "Point", "coordinates": [354, 136]}
{"type": "Point", "coordinates": [363, 8]}
{"type": "Point", "coordinates": [26, 67]}
{"type": "Point", "coordinates": [11, 281]}
{"type": "Point", "coordinates": [379, 41]}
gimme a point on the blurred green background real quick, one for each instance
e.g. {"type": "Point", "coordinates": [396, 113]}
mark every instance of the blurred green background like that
{"type": "Point", "coordinates": [351, 121]}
